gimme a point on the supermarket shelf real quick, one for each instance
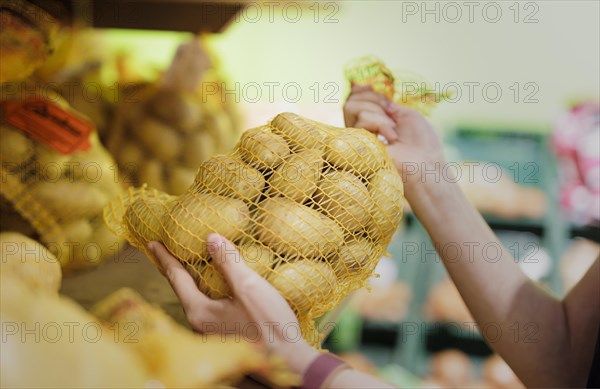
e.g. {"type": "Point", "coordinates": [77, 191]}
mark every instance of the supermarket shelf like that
{"type": "Point", "coordinates": [193, 16]}
{"type": "Point", "coordinates": [442, 336]}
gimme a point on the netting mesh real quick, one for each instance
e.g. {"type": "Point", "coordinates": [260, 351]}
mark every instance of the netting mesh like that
{"type": "Point", "coordinates": [402, 87]}
{"type": "Point", "coordinates": [311, 208]}
{"type": "Point", "coordinates": [58, 198]}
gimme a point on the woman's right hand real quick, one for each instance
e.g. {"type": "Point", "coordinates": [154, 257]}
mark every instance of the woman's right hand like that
{"type": "Point", "coordinates": [412, 142]}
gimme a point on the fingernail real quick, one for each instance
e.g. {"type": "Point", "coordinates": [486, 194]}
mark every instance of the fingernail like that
{"type": "Point", "coordinates": [215, 241]}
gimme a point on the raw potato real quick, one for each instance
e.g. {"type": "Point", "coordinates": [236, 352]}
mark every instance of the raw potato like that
{"type": "Point", "coordinates": [355, 149]}
{"type": "Point", "coordinates": [70, 200]}
{"type": "Point", "coordinates": [15, 147]}
{"type": "Point", "coordinates": [300, 133]}
{"type": "Point", "coordinates": [212, 283]}
{"type": "Point", "coordinates": [353, 256]}
{"type": "Point", "coordinates": [49, 159]}
{"type": "Point", "coordinates": [194, 216]}
{"type": "Point", "coordinates": [261, 148]}
{"type": "Point", "coordinates": [304, 284]}
{"type": "Point", "coordinates": [143, 216]}
{"type": "Point", "coordinates": [386, 190]}
{"type": "Point", "coordinates": [151, 173]}
{"type": "Point", "coordinates": [130, 156]}
{"type": "Point", "coordinates": [229, 176]}
{"type": "Point", "coordinates": [344, 198]}
{"type": "Point", "coordinates": [180, 179]}
{"type": "Point", "coordinates": [292, 229]}
{"type": "Point", "coordinates": [164, 143]}
{"type": "Point", "coordinates": [222, 129]}
{"type": "Point", "coordinates": [176, 107]}
{"type": "Point", "coordinates": [197, 148]}
{"type": "Point", "coordinates": [296, 178]}
{"type": "Point", "coordinates": [31, 262]}
{"type": "Point", "coordinates": [78, 231]}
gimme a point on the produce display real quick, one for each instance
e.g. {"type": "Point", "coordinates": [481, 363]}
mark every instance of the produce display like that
{"type": "Point", "coordinates": [175, 356]}
{"type": "Point", "coordinates": [162, 132]}
{"type": "Point", "coordinates": [29, 261]}
{"type": "Point", "coordinates": [311, 207]}
{"type": "Point", "coordinates": [57, 178]}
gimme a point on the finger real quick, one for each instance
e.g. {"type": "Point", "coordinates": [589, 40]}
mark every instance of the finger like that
{"type": "Point", "coordinates": [378, 123]}
{"type": "Point", "coordinates": [353, 108]}
{"type": "Point", "coordinates": [361, 88]}
{"type": "Point", "coordinates": [262, 301]}
{"type": "Point", "coordinates": [370, 96]}
{"type": "Point", "coordinates": [180, 279]}
{"type": "Point", "coordinates": [397, 111]}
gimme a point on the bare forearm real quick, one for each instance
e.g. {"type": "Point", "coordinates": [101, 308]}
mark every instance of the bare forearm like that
{"type": "Point", "coordinates": [522, 322]}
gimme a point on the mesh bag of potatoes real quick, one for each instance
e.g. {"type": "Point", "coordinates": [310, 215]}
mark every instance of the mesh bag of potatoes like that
{"type": "Point", "coordinates": [163, 131]}
{"type": "Point", "coordinates": [56, 180]}
{"type": "Point", "coordinates": [311, 208]}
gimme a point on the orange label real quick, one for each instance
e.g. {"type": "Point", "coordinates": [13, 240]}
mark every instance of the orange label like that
{"type": "Point", "coordinates": [49, 123]}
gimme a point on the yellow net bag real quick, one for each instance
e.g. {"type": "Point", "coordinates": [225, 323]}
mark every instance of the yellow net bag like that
{"type": "Point", "coordinates": [404, 88]}
{"type": "Point", "coordinates": [311, 208]}
{"type": "Point", "coordinates": [178, 358]}
{"type": "Point", "coordinates": [56, 180]}
{"type": "Point", "coordinates": [162, 132]}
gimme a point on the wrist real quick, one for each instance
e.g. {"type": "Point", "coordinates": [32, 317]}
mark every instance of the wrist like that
{"type": "Point", "coordinates": [298, 355]}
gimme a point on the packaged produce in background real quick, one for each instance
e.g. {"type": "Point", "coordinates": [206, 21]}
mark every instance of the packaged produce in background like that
{"type": "Point", "coordinates": [311, 207]}
{"type": "Point", "coordinates": [56, 179]}
{"type": "Point", "coordinates": [163, 131]}
{"type": "Point", "coordinates": [51, 342]}
{"type": "Point", "coordinates": [178, 358]}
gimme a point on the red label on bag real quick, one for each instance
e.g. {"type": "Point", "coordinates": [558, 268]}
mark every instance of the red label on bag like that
{"type": "Point", "coordinates": [49, 123]}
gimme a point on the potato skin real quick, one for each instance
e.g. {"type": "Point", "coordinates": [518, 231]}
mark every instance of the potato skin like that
{"type": "Point", "coordinates": [151, 172]}
{"type": "Point", "coordinates": [143, 216]}
{"type": "Point", "coordinates": [304, 284]}
{"type": "Point", "coordinates": [15, 147]}
{"type": "Point", "coordinates": [299, 132]}
{"type": "Point", "coordinates": [353, 256]}
{"type": "Point", "coordinates": [356, 150]}
{"type": "Point", "coordinates": [161, 140]}
{"type": "Point", "coordinates": [296, 178]}
{"type": "Point", "coordinates": [229, 176]}
{"type": "Point", "coordinates": [180, 179]}
{"type": "Point", "coordinates": [198, 148]}
{"type": "Point", "coordinates": [70, 201]}
{"type": "Point", "coordinates": [387, 191]}
{"type": "Point", "coordinates": [194, 216]}
{"type": "Point", "coordinates": [293, 229]}
{"type": "Point", "coordinates": [344, 198]}
{"type": "Point", "coordinates": [263, 149]}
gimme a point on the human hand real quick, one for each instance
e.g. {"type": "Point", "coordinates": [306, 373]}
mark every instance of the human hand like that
{"type": "Point", "coordinates": [256, 310]}
{"type": "Point", "coordinates": [412, 142]}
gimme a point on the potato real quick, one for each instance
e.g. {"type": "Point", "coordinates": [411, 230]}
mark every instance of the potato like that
{"type": "Point", "coordinates": [143, 216]}
{"type": "Point", "coordinates": [198, 148]}
{"type": "Point", "coordinates": [49, 161]}
{"type": "Point", "coordinates": [151, 172]}
{"type": "Point", "coordinates": [194, 216]}
{"type": "Point", "coordinates": [130, 156]}
{"type": "Point", "coordinates": [292, 229]}
{"type": "Point", "coordinates": [356, 150]}
{"type": "Point", "coordinates": [304, 284]}
{"type": "Point", "coordinates": [229, 176]}
{"type": "Point", "coordinates": [162, 141]}
{"type": "Point", "coordinates": [180, 179]}
{"type": "Point", "coordinates": [177, 108]}
{"type": "Point", "coordinates": [300, 133]}
{"type": "Point", "coordinates": [261, 148]}
{"type": "Point", "coordinates": [387, 191]}
{"type": "Point", "coordinates": [344, 198]}
{"type": "Point", "coordinates": [296, 178]}
{"type": "Point", "coordinates": [15, 147]}
{"type": "Point", "coordinates": [70, 201]}
{"type": "Point", "coordinates": [219, 125]}
{"type": "Point", "coordinates": [78, 231]}
{"type": "Point", "coordinates": [212, 283]}
{"type": "Point", "coordinates": [29, 261]}
{"type": "Point", "coordinates": [353, 256]}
